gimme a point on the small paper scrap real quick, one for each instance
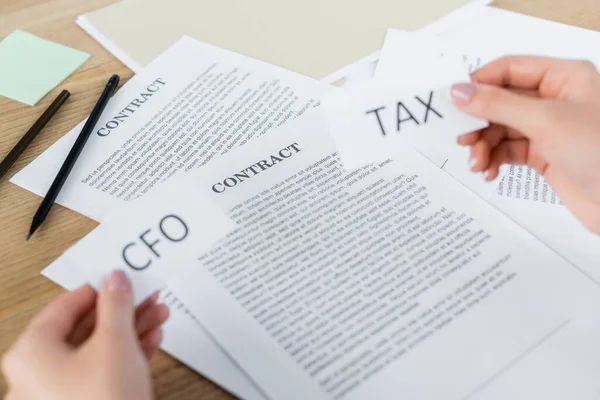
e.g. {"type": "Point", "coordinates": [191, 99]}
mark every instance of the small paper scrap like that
{"type": "Point", "coordinates": [152, 239]}
{"type": "Point", "coordinates": [375, 121]}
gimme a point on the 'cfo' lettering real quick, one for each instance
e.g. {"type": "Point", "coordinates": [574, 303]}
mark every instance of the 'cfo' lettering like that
{"type": "Point", "coordinates": [139, 254]}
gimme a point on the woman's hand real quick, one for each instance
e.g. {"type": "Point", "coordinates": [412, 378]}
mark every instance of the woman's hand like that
{"type": "Point", "coordinates": [87, 346]}
{"type": "Point", "coordinates": [544, 113]}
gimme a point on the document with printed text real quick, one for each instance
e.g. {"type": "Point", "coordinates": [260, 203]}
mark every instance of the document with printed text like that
{"type": "Point", "coordinates": [191, 104]}
{"type": "Point", "coordinates": [376, 282]}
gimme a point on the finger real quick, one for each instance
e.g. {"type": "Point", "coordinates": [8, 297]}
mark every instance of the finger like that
{"type": "Point", "coordinates": [534, 93]}
{"type": "Point", "coordinates": [493, 170]}
{"type": "Point", "coordinates": [58, 319]}
{"type": "Point", "coordinates": [115, 306]}
{"type": "Point", "coordinates": [525, 72]}
{"type": "Point", "coordinates": [543, 74]}
{"type": "Point", "coordinates": [488, 139]}
{"type": "Point", "coordinates": [514, 152]}
{"type": "Point", "coordinates": [83, 330]}
{"type": "Point", "coordinates": [151, 318]}
{"type": "Point", "coordinates": [10, 396]}
{"type": "Point", "coordinates": [151, 342]}
{"type": "Point", "coordinates": [149, 302]}
{"type": "Point", "coordinates": [493, 135]}
{"type": "Point", "coordinates": [479, 159]}
{"type": "Point", "coordinates": [491, 173]}
{"type": "Point", "coordinates": [469, 138]}
{"type": "Point", "coordinates": [500, 106]}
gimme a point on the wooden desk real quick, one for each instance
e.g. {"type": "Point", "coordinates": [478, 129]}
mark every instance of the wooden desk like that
{"type": "Point", "coordinates": [23, 291]}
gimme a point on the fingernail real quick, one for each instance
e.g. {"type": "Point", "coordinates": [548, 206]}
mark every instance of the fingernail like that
{"type": "Point", "coordinates": [472, 161]}
{"type": "Point", "coordinates": [486, 174]}
{"type": "Point", "coordinates": [117, 281]}
{"type": "Point", "coordinates": [462, 93]}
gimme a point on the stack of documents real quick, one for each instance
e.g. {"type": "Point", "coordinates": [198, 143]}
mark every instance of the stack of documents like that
{"type": "Point", "coordinates": [302, 261]}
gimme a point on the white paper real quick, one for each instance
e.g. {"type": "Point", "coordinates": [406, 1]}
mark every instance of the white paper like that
{"type": "Point", "coordinates": [342, 284]}
{"type": "Point", "coordinates": [151, 239]}
{"type": "Point", "coordinates": [491, 32]}
{"type": "Point", "coordinates": [370, 123]}
{"type": "Point", "coordinates": [406, 56]}
{"type": "Point", "coordinates": [210, 101]}
{"type": "Point", "coordinates": [361, 68]}
{"type": "Point", "coordinates": [555, 225]}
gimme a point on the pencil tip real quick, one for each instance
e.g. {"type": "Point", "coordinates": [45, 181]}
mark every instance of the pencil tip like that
{"type": "Point", "coordinates": [29, 236]}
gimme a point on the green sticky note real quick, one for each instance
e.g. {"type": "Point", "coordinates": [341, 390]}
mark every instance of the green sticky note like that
{"type": "Point", "coordinates": [30, 66]}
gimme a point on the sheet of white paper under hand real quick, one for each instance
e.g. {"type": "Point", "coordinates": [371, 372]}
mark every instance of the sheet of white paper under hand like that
{"type": "Point", "coordinates": [338, 283]}
{"type": "Point", "coordinates": [153, 239]}
{"type": "Point", "coordinates": [373, 122]}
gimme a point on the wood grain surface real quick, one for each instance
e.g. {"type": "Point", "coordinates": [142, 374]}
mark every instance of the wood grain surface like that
{"type": "Point", "coordinates": [23, 291]}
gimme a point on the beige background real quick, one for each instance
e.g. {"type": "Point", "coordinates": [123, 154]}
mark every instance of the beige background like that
{"type": "Point", "coordinates": [23, 292]}
{"type": "Point", "coordinates": [312, 37]}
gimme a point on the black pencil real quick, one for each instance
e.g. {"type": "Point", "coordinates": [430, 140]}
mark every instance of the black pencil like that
{"type": "Point", "coordinates": [33, 132]}
{"type": "Point", "coordinates": [67, 166]}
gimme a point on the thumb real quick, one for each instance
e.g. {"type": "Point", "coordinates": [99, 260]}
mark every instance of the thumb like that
{"type": "Point", "coordinates": [529, 115]}
{"type": "Point", "coordinates": [115, 310]}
